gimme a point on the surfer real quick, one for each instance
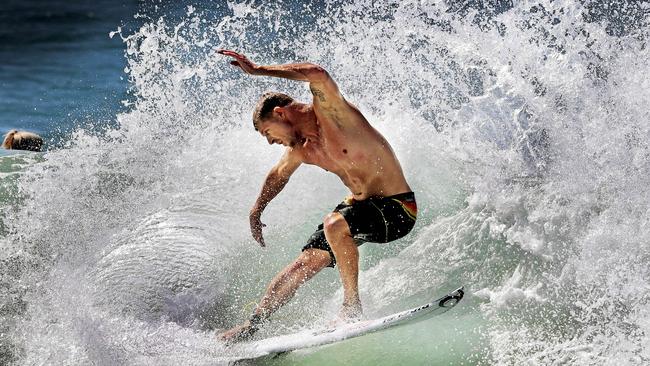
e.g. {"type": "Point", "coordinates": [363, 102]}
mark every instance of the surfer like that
{"type": "Point", "coordinates": [333, 134]}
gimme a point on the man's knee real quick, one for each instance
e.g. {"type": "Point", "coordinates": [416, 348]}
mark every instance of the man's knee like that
{"type": "Point", "coordinates": [335, 224]}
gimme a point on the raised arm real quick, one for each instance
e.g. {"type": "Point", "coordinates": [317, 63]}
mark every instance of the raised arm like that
{"type": "Point", "coordinates": [326, 92]}
{"type": "Point", "coordinates": [275, 181]}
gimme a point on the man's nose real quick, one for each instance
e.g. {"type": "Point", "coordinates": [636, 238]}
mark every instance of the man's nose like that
{"type": "Point", "coordinates": [270, 140]}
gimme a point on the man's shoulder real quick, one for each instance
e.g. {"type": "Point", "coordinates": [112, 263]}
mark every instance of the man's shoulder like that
{"type": "Point", "coordinates": [342, 115]}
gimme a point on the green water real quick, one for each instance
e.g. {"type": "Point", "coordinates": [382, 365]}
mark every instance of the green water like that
{"type": "Point", "coordinates": [10, 168]}
{"type": "Point", "coordinates": [453, 338]}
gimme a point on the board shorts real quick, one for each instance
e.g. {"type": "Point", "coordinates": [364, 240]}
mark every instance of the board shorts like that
{"type": "Point", "coordinates": [375, 219]}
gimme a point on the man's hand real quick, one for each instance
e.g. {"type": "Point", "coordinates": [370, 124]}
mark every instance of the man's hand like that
{"type": "Point", "coordinates": [240, 61]}
{"type": "Point", "coordinates": [256, 226]}
{"type": "Point", "coordinates": [300, 71]}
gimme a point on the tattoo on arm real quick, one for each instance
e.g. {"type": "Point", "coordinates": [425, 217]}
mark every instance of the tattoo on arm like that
{"type": "Point", "coordinates": [317, 93]}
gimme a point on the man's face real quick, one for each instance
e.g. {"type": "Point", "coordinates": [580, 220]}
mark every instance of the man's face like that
{"type": "Point", "coordinates": [277, 131]}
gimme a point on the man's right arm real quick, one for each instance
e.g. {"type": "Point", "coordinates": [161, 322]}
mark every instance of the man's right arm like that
{"type": "Point", "coordinates": [275, 181]}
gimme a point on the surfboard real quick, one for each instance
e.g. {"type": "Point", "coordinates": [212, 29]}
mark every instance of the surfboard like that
{"type": "Point", "coordinates": [311, 338]}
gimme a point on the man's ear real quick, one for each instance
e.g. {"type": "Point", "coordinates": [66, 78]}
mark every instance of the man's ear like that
{"type": "Point", "coordinates": [279, 111]}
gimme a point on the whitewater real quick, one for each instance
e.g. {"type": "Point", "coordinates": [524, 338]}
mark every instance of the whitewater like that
{"type": "Point", "coordinates": [522, 128]}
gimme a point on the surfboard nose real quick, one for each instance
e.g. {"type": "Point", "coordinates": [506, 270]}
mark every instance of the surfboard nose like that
{"type": "Point", "coordinates": [452, 299]}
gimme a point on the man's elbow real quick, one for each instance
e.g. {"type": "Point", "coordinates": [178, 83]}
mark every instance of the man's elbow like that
{"type": "Point", "coordinates": [316, 72]}
{"type": "Point", "coordinates": [278, 176]}
{"type": "Point", "coordinates": [283, 176]}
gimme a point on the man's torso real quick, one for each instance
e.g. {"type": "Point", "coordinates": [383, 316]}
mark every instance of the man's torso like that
{"type": "Point", "coordinates": [353, 150]}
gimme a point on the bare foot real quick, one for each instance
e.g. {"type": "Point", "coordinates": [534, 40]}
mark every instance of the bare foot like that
{"type": "Point", "coordinates": [238, 333]}
{"type": "Point", "coordinates": [347, 314]}
{"type": "Point", "coordinates": [351, 312]}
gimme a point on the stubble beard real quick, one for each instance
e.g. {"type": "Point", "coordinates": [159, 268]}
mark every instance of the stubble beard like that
{"type": "Point", "coordinates": [296, 139]}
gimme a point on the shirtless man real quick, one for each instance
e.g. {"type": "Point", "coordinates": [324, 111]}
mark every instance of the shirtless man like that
{"type": "Point", "coordinates": [333, 134]}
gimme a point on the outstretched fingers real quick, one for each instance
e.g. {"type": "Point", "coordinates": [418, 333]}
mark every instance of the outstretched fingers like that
{"type": "Point", "coordinates": [240, 61]}
{"type": "Point", "coordinates": [227, 52]}
{"type": "Point", "coordinates": [231, 54]}
{"type": "Point", "coordinates": [260, 240]}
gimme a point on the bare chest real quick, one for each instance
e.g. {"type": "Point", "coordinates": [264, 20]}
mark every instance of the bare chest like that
{"type": "Point", "coordinates": [346, 162]}
{"type": "Point", "coordinates": [337, 155]}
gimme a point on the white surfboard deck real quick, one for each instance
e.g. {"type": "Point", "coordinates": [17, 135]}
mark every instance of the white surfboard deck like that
{"type": "Point", "coordinates": [311, 338]}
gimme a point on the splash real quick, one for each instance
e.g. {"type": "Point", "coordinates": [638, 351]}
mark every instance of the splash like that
{"type": "Point", "coordinates": [522, 129]}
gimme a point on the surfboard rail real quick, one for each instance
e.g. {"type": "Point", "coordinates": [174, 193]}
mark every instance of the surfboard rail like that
{"type": "Point", "coordinates": [307, 339]}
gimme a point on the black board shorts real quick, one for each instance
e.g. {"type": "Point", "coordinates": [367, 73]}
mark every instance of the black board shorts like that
{"type": "Point", "coordinates": [375, 219]}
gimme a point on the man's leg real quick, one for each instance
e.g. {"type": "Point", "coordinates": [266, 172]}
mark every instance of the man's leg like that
{"type": "Point", "coordinates": [337, 232]}
{"type": "Point", "coordinates": [284, 285]}
{"type": "Point", "coordinates": [281, 290]}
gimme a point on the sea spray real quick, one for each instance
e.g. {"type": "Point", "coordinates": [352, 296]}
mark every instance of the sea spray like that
{"type": "Point", "coordinates": [522, 128]}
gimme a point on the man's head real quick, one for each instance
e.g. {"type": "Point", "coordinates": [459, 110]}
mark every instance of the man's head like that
{"type": "Point", "coordinates": [272, 118]}
{"type": "Point", "coordinates": [22, 140]}
{"type": "Point", "coordinates": [268, 101]}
